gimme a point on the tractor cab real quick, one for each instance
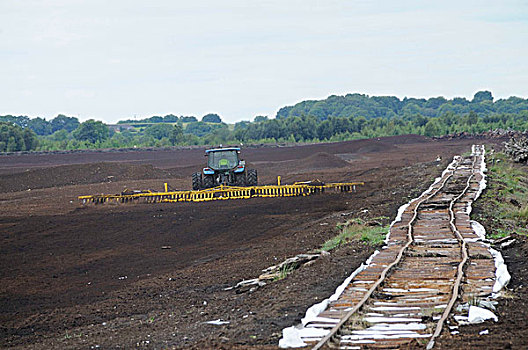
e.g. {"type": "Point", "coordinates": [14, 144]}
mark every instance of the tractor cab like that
{"type": "Point", "coordinates": [223, 158]}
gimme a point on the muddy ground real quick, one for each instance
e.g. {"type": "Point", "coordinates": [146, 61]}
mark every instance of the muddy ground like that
{"type": "Point", "coordinates": [97, 276]}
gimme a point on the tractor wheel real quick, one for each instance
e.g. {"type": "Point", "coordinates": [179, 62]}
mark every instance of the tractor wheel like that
{"type": "Point", "coordinates": [240, 179]}
{"type": "Point", "coordinates": [196, 181]}
{"type": "Point", "coordinates": [252, 179]}
{"type": "Point", "coordinates": [208, 181]}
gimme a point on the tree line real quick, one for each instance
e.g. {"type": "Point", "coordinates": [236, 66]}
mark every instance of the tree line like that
{"type": "Point", "coordinates": [381, 116]}
{"type": "Point", "coordinates": [359, 105]}
{"type": "Point", "coordinates": [171, 118]}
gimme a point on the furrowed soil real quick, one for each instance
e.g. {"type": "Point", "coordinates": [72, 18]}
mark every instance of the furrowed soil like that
{"type": "Point", "coordinates": [151, 275]}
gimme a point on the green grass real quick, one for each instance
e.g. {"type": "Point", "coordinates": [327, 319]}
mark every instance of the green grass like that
{"type": "Point", "coordinates": [522, 214]}
{"type": "Point", "coordinates": [72, 335]}
{"type": "Point", "coordinates": [504, 204]}
{"type": "Point", "coordinates": [371, 233]}
{"type": "Point", "coordinates": [284, 271]}
{"type": "Point", "coordinates": [374, 235]}
{"type": "Point", "coordinates": [498, 233]}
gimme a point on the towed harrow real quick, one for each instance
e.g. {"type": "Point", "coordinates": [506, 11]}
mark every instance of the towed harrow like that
{"type": "Point", "coordinates": [222, 193]}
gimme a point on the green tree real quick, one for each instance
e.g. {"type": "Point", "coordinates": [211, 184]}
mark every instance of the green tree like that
{"type": "Point", "coordinates": [260, 118]}
{"type": "Point", "coordinates": [154, 119]}
{"type": "Point", "coordinates": [418, 120]}
{"type": "Point", "coordinates": [15, 144]}
{"type": "Point", "coordinates": [176, 135]}
{"type": "Point", "coordinates": [472, 118]}
{"type": "Point", "coordinates": [159, 131]}
{"type": "Point", "coordinates": [91, 131]}
{"type": "Point", "coordinates": [63, 122]}
{"type": "Point", "coordinates": [272, 129]}
{"type": "Point", "coordinates": [435, 102]}
{"type": "Point", "coordinates": [325, 130]}
{"type": "Point", "coordinates": [170, 118]}
{"type": "Point", "coordinates": [21, 121]}
{"type": "Point", "coordinates": [61, 135]}
{"type": "Point", "coordinates": [201, 129]}
{"type": "Point", "coordinates": [188, 119]}
{"type": "Point", "coordinates": [13, 138]}
{"type": "Point", "coordinates": [302, 128]}
{"type": "Point", "coordinates": [211, 118]}
{"type": "Point", "coordinates": [30, 139]}
{"type": "Point", "coordinates": [482, 96]}
{"type": "Point", "coordinates": [40, 126]}
{"type": "Point", "coordinates": [241, 124]}
{"type": "Point", "coordinates": [432, 128]}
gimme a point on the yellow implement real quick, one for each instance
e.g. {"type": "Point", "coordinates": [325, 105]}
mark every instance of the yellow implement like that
{"type": "Point", "coordinates": [223, 192]}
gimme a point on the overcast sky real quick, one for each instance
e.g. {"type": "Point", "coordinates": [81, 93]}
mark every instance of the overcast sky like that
{"type": "Point", "coordinates": [112, 60]}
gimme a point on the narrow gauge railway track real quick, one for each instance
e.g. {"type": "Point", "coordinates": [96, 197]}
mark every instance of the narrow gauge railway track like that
{"type": "Point", "coordinates": [407, 292]}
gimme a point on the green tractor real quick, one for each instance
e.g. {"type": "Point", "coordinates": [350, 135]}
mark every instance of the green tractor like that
{"type": "Point", "coordinates": [224, 167]}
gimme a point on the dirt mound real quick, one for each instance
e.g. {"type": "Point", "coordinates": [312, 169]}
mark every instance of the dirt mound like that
{"type": "Point", "coordinates": [78, 174]}
{"type": "Point", "coordinates": [384, 144]}
{"type": "Point", "coordinates": [374, 148]}
{"type": "Point", "coordinates": [321, 160]}
{"type": "Point", "coordinates": [405, 139]}
{"type": "Point", "coordinates": [314, 162]}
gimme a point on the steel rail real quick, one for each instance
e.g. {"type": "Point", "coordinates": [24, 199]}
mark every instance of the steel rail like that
{"type": "Point", "coordinates": [460, 269]}
{"type": "Point", "coordinates": [361, 303]}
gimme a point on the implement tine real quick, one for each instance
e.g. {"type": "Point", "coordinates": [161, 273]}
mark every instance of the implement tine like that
{"type": "Point", "coordinates": [224, 193]}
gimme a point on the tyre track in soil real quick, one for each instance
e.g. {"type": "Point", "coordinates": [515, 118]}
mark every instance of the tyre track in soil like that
{"type": "Point", "coordinates": [61, 266]}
